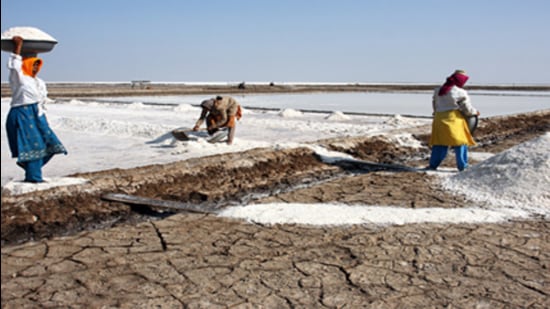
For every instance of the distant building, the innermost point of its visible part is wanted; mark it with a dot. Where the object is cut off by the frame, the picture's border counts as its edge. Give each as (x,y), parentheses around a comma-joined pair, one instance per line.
(141,84)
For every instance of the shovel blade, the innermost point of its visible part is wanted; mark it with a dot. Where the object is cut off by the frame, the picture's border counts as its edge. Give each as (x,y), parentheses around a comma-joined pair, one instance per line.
(181,134)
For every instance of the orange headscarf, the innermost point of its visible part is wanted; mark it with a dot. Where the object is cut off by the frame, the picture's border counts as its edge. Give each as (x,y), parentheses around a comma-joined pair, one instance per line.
(28,64)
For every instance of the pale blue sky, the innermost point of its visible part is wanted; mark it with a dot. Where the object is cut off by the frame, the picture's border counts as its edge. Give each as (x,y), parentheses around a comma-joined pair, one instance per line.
(289,40)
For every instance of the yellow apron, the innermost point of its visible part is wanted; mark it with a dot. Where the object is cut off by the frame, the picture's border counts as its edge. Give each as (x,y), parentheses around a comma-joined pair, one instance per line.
(450,129)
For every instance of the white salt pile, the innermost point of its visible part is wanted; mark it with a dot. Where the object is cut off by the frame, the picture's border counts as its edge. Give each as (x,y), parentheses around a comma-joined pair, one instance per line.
(518,177)
(337,116)
(289,112)
(27,33)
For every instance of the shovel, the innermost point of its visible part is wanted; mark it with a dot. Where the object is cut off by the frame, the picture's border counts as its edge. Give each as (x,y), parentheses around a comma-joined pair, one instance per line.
(181,134)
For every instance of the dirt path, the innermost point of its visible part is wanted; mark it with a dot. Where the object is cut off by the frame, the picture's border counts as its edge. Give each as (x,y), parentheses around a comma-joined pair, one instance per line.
(113,255)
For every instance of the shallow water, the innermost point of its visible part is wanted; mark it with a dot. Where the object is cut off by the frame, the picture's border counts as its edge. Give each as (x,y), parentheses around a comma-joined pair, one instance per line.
(489,103)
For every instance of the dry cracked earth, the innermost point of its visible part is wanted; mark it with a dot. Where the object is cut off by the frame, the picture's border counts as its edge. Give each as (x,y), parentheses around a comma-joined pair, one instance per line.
(69,248)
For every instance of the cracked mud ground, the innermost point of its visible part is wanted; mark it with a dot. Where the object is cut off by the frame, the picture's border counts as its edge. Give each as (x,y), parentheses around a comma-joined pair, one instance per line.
(68,248)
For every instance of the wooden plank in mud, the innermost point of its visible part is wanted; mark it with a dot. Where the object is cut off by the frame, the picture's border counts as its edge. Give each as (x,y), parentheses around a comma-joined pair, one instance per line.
(151,202)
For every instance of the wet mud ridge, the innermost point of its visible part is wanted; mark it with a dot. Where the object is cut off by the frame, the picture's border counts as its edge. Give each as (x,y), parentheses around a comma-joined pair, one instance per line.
(116,254)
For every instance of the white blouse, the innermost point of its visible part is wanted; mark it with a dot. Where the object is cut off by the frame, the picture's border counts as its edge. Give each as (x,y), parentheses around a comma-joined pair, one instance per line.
(456,98)
(25,89)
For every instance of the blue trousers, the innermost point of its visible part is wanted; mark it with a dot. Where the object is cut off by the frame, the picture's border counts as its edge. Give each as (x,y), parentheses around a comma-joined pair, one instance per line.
(33,169)
(440,152)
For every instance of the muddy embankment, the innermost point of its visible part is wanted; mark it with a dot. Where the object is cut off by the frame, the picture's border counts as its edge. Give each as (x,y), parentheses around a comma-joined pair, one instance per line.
(258,175)
(145,88)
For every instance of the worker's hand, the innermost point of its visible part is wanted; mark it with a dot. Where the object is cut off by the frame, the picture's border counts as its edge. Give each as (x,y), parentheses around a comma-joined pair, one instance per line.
(17,39)
(195,128)
(17,44)
(212,130)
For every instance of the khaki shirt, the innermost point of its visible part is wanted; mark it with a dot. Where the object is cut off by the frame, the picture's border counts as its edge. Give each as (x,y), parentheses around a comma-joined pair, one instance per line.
(220,111)
(223,109)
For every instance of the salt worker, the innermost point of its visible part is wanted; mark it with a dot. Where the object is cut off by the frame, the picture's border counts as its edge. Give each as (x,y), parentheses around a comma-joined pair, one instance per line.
(30,138)
(451,104)
(220,112)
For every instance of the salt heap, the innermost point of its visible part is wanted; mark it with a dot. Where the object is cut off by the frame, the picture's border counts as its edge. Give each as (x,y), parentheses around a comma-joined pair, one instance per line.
(289,113)
(518,178)
(27,33)
(337,116)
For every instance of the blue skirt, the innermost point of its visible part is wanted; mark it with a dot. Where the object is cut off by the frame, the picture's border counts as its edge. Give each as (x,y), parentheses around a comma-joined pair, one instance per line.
(30,136)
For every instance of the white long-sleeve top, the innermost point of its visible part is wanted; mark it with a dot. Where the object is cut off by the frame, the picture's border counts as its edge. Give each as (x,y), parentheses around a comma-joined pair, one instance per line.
(456,98)
(25,89)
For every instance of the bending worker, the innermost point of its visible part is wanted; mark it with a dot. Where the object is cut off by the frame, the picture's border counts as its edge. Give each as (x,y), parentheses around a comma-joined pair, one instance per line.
(220,112)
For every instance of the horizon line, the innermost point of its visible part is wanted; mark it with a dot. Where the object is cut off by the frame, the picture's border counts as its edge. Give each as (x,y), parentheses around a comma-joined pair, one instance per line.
(279,83)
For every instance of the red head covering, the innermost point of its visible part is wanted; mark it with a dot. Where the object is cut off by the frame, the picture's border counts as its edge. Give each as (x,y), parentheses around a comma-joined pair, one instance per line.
(458,79)
(28,64)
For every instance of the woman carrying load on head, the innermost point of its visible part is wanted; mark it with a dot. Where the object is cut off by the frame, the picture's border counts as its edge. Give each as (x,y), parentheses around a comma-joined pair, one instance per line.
(451,104)
(30,137)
